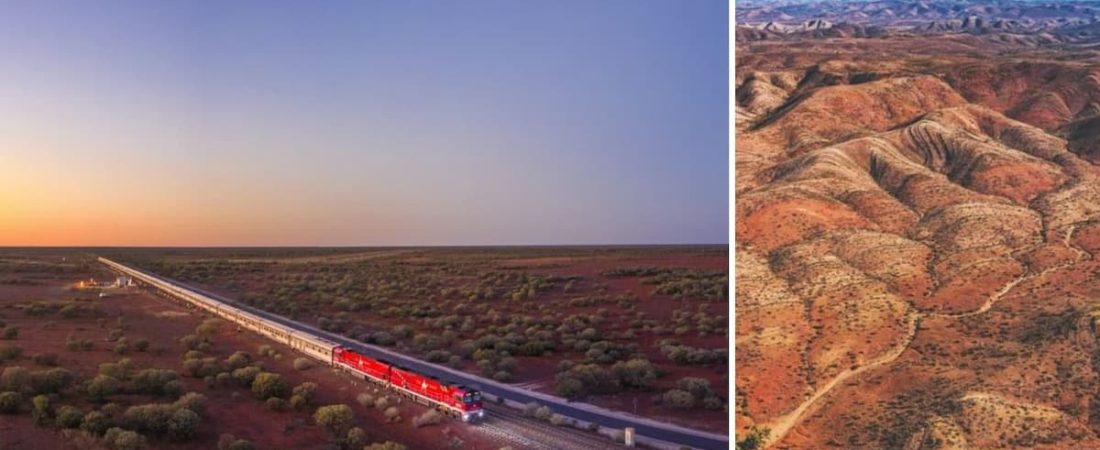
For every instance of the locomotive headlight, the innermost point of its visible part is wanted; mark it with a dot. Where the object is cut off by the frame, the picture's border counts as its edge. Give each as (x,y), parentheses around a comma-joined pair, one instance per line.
(465,417)
(481,413)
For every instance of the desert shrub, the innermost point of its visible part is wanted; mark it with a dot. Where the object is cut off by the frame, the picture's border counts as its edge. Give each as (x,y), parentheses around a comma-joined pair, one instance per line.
(381,402)
(334,418)
(50,381)
(543,413)
(112,409)
(102,386)
(365,399)
(207,328)
(193,401)
(388,445)
(302,364)
(246,375)
(276,404)
(68,311)
(265,350)
(9,333)
(678,398)
(115,335)
(305,390)
(229,442)
(713,402)
(172,389)
(685,355)
(9,402)
(430,417)
(636,373)
(569,388)
(241,444)
(122,347)
(119,370)
(189,342)
(78,345)
(437,356)
(382,338)
(593,426)
(119,439)
(754,439)
(150,418)
(237,360)
(15,378)
(10,352)
(201,368)
(558,419)
(141,345)
(502,376)
(163,382)
(267,385)
(356,438)
(298,403)
(698,387)
(402,331)
(45,359)
(183,425)
(586,379)
(223,379)
(96,422)
(392,414)
(530,408)
(69,417)
(41,409)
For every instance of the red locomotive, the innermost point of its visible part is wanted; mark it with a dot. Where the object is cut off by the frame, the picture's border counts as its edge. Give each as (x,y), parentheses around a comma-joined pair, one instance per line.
(458,400)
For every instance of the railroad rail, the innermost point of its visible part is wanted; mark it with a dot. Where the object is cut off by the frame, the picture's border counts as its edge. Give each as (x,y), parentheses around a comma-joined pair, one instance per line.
(647,430)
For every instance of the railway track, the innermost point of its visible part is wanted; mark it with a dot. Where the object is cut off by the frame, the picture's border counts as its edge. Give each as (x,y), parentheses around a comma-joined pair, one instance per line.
(528,432)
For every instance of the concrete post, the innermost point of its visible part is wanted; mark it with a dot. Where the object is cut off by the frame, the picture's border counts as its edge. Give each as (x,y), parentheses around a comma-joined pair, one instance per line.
(628,436)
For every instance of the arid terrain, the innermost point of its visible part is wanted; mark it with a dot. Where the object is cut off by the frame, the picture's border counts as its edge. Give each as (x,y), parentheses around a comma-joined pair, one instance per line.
(635,329)
(78,362)
(917,215)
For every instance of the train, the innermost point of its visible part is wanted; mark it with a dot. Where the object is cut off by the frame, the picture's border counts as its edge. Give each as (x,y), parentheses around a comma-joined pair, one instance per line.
(456,400)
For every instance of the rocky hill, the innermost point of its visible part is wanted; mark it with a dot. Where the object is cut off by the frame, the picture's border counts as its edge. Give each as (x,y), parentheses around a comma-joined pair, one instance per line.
(916,217)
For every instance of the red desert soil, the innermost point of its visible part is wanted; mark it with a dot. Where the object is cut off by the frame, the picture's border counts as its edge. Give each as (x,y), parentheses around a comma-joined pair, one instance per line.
(916,223)
(161,322)
(446,290)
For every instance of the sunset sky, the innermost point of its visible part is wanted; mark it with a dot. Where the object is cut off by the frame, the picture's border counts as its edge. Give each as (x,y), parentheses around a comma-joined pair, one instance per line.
(363,122)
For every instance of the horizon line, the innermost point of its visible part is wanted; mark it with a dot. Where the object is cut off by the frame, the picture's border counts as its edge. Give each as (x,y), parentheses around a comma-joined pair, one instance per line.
(726,244)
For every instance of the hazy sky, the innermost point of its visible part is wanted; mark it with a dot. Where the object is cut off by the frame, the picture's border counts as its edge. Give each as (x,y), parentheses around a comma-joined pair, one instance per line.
(363,122)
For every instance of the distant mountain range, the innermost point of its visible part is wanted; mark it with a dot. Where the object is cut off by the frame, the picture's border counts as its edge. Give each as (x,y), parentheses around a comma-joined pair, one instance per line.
(1045,22)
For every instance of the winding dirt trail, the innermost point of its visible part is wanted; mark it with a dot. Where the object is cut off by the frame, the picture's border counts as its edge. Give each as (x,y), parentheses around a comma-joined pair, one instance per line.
(781,426)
